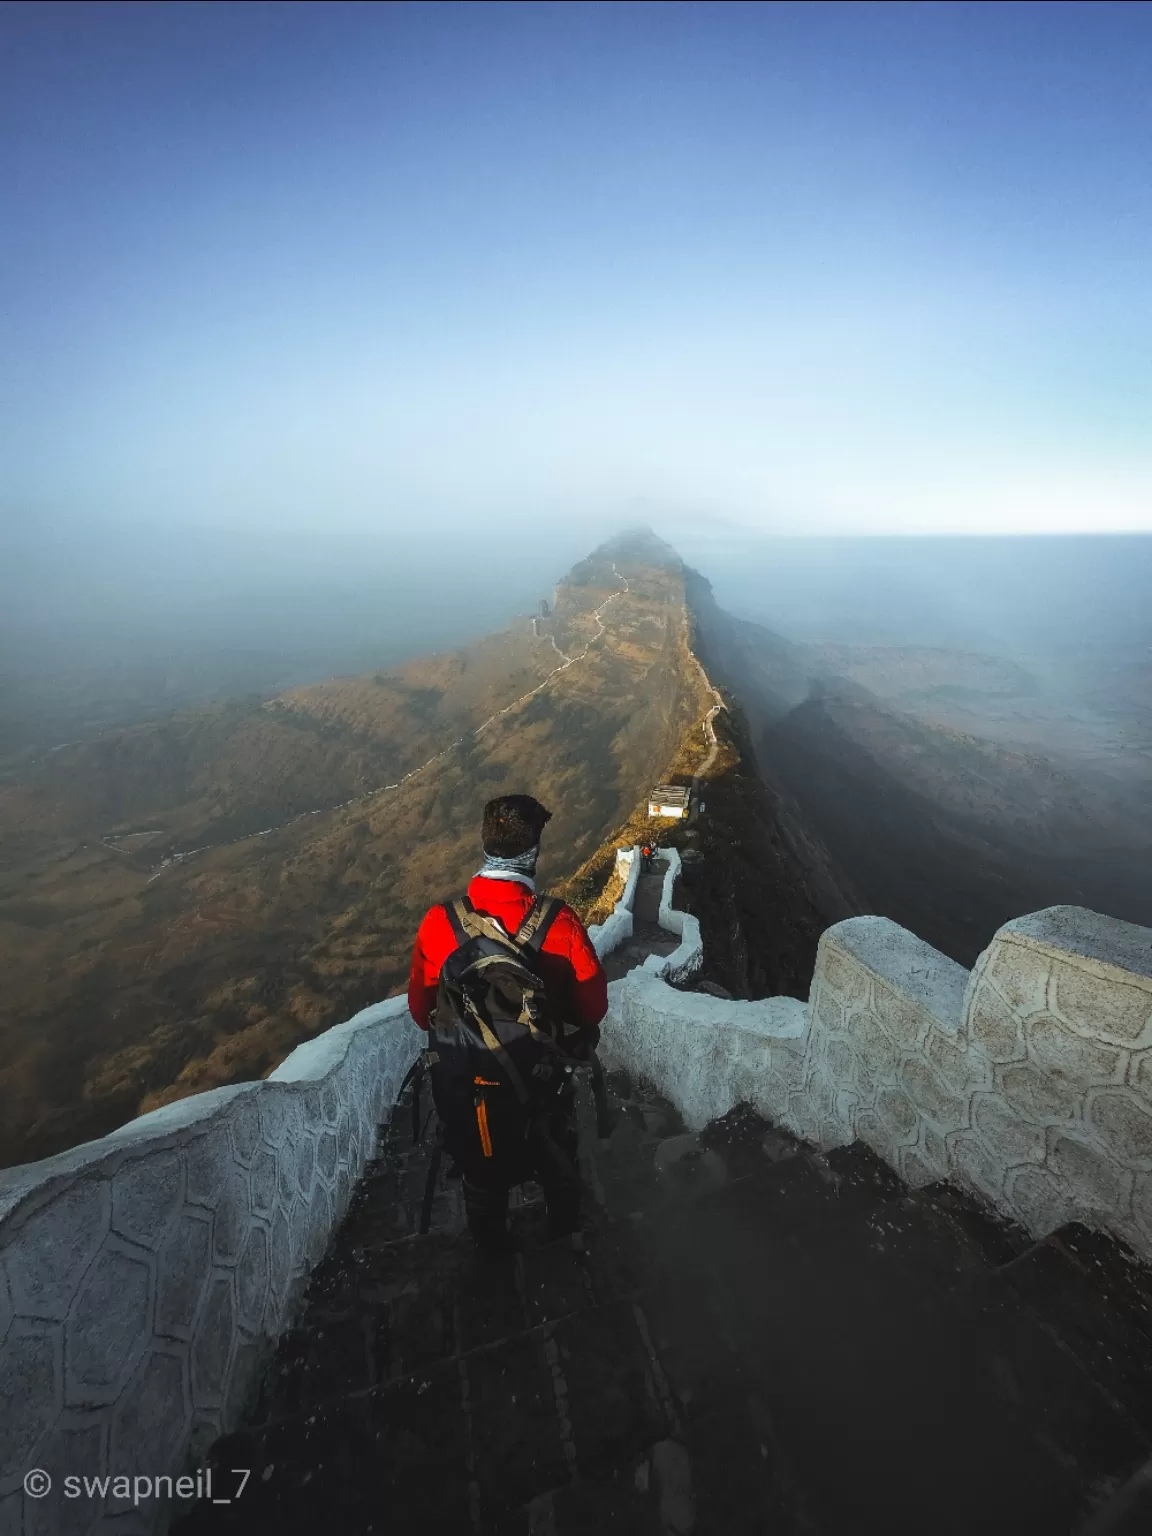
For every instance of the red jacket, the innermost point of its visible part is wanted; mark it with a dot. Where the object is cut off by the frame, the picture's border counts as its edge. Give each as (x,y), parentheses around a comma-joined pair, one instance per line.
(573,976)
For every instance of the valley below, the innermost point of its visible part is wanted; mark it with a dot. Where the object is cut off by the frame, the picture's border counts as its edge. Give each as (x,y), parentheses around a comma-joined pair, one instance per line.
(181,903)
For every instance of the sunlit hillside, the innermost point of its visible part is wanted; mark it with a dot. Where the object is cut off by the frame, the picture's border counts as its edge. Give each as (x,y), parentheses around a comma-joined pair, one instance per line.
(181,904)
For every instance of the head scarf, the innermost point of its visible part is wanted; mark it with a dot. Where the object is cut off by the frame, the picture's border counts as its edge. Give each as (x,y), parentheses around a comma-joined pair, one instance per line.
(521,866)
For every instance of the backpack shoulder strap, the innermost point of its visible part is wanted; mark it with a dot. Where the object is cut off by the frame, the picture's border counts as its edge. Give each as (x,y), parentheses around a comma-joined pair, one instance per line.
(468,923)
(534,929)
(456,913)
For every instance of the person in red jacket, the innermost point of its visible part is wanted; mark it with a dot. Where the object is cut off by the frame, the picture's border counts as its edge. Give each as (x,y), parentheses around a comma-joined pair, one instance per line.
(577,993)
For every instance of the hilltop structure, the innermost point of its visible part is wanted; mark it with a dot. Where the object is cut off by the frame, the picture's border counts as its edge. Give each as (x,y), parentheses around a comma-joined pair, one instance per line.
(670,800)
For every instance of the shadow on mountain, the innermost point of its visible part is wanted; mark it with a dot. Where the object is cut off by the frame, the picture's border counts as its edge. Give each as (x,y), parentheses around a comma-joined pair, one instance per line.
(946,833)
(761,887)
(952,879)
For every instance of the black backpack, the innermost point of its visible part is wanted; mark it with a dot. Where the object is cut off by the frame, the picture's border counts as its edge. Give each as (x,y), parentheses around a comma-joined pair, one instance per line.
(492,1024)
(494,1044)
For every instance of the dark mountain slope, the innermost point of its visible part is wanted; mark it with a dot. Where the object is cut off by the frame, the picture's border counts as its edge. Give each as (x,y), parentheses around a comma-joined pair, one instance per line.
(949,836)
(946,833)
(762,904)
(767,676)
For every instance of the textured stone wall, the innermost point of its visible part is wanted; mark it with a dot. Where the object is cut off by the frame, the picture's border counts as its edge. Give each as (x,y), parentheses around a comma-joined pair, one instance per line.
(686,959)
(1028,1080)
(704,1053)
(884,1051)
(617,928)
(143,1277)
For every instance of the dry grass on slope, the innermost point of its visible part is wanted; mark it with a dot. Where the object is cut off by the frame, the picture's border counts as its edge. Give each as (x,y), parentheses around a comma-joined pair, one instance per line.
(759,914)
(594,889)
(134,991)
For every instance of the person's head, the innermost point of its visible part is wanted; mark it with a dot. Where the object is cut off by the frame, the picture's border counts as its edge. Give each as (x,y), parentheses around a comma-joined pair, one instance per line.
(512,825)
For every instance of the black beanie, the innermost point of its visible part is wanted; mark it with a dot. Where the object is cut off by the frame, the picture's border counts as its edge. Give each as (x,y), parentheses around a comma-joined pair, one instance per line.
(512,825)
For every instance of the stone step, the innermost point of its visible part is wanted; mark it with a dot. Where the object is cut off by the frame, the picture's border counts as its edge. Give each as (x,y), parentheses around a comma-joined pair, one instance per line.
(1097,1303)
(467,1441)
(1128,1512)
(788,1301)
(992,1237)
(763,1336)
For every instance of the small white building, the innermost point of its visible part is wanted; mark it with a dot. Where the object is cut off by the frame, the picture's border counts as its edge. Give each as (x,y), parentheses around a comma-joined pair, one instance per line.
(669,800)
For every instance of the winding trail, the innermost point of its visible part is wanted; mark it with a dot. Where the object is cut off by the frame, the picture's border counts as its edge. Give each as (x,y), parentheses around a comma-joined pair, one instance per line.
(568,661)
(709,729)
(647,937)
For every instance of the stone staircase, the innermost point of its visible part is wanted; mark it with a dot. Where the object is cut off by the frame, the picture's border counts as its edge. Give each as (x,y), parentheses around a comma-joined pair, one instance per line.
(648,938)
(757,1338)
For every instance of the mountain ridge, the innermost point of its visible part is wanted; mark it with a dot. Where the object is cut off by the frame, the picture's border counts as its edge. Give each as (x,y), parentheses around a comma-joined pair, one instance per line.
(204,944)
(182,903)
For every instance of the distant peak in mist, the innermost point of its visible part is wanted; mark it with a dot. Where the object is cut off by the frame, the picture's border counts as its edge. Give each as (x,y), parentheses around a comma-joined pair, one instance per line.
(639,542)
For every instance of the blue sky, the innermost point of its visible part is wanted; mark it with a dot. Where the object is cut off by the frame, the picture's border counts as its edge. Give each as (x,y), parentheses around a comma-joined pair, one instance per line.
(801,268)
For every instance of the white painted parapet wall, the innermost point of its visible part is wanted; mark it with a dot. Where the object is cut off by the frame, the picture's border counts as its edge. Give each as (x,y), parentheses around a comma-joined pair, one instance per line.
(686,959)
(617,927)
(144,1277)
(1028,1079)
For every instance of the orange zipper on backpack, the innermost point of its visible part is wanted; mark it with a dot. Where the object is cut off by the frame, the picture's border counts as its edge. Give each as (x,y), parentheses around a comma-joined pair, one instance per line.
(482,1122)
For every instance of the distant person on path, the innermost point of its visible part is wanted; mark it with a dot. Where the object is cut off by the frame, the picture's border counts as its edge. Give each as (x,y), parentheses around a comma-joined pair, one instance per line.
(511,992)
(645,859)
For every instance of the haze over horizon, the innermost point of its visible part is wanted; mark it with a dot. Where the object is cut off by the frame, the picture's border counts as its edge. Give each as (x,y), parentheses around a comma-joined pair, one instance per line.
(297,271)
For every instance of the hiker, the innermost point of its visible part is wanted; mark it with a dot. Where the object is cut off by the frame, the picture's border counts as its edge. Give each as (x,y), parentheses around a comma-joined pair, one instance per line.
(645,859)
(511,992)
